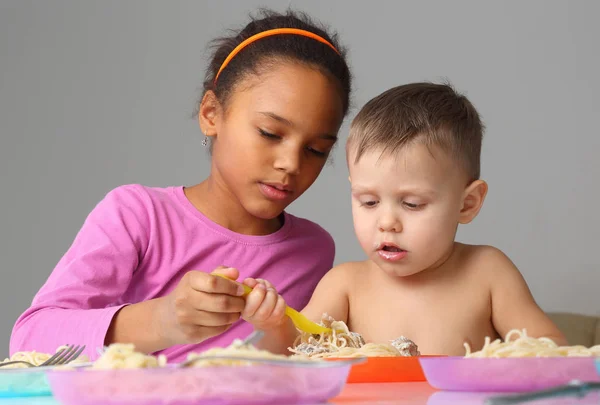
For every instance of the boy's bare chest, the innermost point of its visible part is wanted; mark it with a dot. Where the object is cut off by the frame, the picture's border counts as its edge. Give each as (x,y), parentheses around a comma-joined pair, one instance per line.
(439,322)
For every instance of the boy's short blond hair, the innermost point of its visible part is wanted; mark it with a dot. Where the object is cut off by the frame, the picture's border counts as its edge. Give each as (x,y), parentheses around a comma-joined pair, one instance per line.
(434,114)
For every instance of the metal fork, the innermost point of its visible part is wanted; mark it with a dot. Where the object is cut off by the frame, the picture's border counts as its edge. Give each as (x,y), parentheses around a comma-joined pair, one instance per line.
(63,356)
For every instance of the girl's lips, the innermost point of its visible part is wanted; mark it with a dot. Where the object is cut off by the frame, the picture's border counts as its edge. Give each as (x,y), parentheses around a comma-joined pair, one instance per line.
(272,192)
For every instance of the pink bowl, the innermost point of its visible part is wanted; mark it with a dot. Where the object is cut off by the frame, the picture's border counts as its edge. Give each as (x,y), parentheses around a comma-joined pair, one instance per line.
(506,374)
(248,385)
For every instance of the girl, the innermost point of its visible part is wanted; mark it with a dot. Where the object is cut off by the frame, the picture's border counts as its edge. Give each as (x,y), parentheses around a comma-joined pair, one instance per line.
(275,95)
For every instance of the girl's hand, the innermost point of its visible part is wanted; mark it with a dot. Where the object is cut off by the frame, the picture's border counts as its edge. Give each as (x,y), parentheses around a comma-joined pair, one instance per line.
(201,306)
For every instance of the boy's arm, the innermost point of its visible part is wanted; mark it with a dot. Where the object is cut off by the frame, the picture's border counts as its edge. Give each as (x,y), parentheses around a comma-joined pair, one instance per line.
(513,305)
(329,296)
(277,340)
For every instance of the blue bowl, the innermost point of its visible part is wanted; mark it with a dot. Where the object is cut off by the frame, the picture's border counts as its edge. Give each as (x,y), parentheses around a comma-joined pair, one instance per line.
(23,383)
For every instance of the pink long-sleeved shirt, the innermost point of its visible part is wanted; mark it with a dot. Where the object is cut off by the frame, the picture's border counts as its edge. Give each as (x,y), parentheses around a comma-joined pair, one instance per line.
(137,244)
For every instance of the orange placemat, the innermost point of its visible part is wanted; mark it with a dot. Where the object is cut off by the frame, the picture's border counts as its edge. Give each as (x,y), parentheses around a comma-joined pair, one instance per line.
(387,369)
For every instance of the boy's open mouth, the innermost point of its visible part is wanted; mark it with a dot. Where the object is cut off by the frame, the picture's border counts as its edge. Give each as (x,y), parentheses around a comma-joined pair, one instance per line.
(390,252)
(389,247)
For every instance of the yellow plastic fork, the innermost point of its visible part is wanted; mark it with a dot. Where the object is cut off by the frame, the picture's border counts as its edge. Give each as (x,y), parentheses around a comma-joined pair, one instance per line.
(300,321)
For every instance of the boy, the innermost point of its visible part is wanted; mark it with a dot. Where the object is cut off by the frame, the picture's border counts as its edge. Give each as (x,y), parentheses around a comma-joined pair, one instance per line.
(414,156)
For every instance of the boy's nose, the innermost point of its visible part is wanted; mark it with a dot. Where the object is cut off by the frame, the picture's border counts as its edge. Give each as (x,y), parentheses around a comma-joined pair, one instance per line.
(389,223)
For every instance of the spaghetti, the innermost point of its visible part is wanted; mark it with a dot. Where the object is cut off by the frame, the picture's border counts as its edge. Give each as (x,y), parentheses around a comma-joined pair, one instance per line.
(526,346)
(124,356)
(37,358)
(341,342)
(120,355)
(236,349)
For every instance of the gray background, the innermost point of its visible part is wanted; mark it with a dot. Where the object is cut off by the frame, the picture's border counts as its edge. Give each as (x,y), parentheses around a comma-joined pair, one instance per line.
(94,94)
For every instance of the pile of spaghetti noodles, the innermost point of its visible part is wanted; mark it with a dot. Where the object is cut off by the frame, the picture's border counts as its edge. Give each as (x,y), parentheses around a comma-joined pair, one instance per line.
(118,356)
(236,355)
(341,342)
(37,358)
(518,344)
(121,355)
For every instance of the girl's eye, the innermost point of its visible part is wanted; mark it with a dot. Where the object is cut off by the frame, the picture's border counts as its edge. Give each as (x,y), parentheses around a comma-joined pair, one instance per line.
(268,135)
(317,152)
(274,137)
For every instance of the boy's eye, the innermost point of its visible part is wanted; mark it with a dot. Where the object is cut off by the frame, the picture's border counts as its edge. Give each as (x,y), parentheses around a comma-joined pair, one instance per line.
(412,206)
(268,135)
(368,204)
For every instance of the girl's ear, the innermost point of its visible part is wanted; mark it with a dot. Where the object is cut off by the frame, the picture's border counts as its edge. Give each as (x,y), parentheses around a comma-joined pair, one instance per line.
(209,113)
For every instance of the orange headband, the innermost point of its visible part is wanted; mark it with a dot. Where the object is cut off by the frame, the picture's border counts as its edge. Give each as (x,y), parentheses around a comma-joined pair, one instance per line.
(269,33)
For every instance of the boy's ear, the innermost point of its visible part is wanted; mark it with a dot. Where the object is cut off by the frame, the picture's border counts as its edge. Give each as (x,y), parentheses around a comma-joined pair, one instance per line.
(209,114)
(473,198)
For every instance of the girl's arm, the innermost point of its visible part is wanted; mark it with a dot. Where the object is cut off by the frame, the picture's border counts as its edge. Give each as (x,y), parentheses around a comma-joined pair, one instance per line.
(77,303)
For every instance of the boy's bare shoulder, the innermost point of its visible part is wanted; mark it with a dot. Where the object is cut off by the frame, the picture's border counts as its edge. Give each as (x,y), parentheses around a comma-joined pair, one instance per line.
(486,260)
(350,269)
(344,274)
(482,253)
